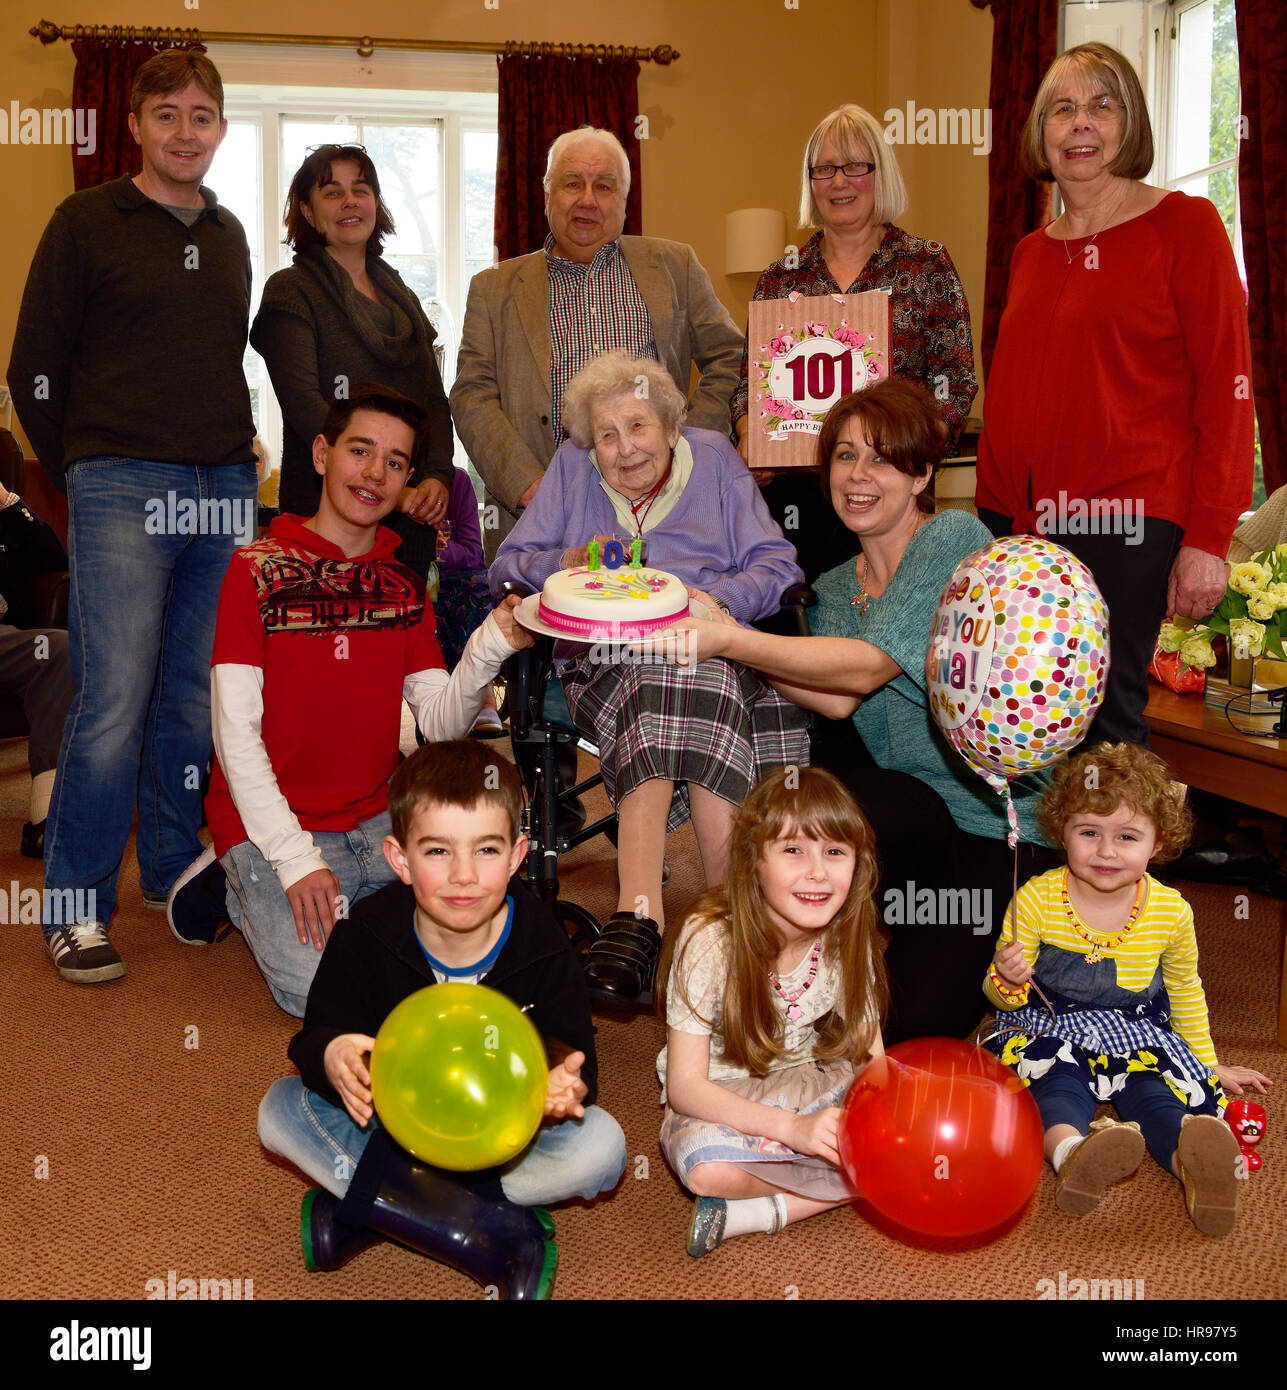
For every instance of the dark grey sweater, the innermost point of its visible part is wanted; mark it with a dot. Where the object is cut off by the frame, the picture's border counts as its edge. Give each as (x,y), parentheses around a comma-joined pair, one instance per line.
(131,334)
(314,327)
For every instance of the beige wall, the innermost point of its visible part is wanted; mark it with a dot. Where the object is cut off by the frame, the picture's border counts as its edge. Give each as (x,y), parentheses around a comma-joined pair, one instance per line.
(727,121)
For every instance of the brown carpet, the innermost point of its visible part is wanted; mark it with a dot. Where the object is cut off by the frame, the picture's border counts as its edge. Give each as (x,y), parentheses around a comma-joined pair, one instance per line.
(138,1098)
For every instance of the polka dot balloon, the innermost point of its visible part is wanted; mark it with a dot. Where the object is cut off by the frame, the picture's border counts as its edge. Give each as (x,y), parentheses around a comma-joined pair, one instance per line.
(1018,657)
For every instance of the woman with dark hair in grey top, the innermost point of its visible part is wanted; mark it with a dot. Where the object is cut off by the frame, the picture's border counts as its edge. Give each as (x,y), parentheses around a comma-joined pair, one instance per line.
(341,314)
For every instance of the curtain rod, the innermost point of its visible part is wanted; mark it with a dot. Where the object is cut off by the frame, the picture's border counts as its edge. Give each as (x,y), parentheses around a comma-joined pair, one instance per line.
(48,32)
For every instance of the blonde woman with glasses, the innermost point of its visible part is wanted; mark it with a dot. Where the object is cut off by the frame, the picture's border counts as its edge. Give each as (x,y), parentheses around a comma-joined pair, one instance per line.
(1118,418)
(852,190)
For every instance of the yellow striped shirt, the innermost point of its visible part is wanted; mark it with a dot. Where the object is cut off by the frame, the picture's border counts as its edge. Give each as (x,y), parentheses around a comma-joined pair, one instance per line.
(1163,932)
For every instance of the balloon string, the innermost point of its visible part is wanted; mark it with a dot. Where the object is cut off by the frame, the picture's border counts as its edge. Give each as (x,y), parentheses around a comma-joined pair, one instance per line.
(1032,984)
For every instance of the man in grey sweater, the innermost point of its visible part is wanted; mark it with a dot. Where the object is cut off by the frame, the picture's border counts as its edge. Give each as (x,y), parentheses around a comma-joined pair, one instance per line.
(126,372)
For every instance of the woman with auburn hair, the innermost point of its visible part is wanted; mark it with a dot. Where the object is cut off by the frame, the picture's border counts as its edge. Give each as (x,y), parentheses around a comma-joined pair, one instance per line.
(341,314)
(1121,375)
(938,826)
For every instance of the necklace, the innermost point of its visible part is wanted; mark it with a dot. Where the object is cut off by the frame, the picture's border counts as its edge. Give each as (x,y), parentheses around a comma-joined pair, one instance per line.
(651,496)
(1116,209)
(1111,943)
(793,1007)
(862,596)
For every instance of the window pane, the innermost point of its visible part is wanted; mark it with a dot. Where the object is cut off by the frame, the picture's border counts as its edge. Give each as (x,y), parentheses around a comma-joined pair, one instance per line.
(480,198)
(1207,75)
(407,160)
(237,178)
(420,273)
(299,136)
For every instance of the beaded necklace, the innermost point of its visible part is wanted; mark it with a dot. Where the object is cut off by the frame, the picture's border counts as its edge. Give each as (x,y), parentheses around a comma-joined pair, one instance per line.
(793,1008)
(1100,946)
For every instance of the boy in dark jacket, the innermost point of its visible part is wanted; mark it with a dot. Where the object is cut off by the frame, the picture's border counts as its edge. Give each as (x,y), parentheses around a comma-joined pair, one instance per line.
(456,915)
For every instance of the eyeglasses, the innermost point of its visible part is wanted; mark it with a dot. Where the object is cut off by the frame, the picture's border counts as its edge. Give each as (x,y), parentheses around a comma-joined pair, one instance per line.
(1097,109)
(852,170)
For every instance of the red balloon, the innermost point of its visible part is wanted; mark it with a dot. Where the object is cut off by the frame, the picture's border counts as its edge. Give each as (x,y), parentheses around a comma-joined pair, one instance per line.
(941,1137)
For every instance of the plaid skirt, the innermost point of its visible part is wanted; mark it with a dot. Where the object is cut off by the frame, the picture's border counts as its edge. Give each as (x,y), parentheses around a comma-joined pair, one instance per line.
(716,724)
(686,1141)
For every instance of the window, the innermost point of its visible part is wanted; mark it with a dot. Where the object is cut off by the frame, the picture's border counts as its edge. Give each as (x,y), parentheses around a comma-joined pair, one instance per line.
(432,135)
(1186,53)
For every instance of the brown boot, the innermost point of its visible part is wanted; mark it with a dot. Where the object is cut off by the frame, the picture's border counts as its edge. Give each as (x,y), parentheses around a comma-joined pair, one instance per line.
(1209,1170)
(1112,1152)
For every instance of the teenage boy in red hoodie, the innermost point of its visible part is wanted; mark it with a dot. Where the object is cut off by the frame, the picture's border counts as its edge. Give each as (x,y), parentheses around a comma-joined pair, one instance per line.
(321,635)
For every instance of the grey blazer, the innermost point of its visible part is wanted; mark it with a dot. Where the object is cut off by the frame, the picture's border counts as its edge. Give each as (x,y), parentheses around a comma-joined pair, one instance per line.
(501,401)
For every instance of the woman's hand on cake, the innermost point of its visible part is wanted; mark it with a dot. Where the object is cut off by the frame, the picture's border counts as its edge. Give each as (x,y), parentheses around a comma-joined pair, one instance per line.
(511,629)
(713,607)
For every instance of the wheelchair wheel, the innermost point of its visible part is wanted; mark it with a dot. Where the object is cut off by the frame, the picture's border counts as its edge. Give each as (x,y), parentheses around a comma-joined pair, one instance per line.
(582,927)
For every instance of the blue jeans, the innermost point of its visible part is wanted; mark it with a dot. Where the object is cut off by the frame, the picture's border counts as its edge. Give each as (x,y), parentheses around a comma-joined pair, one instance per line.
(578,1158)
(140,625)
(260,909)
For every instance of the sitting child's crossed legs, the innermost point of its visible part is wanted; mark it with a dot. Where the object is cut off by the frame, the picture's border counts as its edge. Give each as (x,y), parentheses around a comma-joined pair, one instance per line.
(261,911)
(578,1158)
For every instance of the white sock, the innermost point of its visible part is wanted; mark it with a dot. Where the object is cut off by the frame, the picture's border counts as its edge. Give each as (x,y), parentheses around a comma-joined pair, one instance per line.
(42,788)
(751,1215)
(1063,1149)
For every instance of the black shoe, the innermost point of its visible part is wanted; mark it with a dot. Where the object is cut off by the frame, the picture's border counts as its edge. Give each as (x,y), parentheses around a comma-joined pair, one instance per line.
(197,905)
(572,816)
(494,1242)
(33,839)
(622,965)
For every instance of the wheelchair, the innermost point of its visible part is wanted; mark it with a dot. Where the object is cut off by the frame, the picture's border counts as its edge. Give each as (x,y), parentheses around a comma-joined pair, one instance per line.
(541,730)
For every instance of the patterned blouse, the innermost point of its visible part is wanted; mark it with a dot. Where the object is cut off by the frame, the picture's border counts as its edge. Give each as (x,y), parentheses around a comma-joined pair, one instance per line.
(932,335)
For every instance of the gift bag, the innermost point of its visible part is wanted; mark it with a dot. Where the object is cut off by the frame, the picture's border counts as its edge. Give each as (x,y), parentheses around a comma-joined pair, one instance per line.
(1167,668)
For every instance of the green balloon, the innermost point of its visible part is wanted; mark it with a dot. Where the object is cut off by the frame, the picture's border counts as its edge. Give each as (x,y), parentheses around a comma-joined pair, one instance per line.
(459,1076)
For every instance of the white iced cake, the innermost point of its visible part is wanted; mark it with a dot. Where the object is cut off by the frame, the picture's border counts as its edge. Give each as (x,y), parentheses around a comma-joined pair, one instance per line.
(612,603)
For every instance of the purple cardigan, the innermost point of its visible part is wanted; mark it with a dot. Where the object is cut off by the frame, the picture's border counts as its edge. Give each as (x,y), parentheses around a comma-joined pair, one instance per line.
(465,548)
(719,537)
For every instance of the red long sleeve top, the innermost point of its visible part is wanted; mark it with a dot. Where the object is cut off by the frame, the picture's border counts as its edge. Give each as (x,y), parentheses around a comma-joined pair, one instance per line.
(1124,374)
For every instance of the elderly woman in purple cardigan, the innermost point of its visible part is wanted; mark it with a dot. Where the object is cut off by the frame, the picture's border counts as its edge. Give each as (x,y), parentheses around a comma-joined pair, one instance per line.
(674,742)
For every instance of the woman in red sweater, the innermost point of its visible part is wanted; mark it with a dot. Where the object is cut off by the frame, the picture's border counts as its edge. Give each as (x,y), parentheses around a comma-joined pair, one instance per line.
(1118,419)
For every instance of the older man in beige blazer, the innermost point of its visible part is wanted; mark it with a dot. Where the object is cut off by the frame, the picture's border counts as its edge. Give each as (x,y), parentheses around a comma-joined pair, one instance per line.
(531,322)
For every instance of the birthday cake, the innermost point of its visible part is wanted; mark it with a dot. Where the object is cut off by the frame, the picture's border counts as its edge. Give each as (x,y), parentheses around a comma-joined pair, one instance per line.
(598,602)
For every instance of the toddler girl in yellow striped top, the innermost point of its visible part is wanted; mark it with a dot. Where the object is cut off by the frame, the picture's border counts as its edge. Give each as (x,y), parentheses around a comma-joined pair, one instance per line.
(1119,1016)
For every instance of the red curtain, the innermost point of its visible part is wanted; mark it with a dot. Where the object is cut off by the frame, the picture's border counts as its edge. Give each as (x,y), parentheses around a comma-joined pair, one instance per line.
(1025,37)
(540,98)
(104,77)
(1262,177)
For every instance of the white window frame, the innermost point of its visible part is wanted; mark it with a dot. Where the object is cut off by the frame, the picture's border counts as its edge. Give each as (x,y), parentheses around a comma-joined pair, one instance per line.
(457,91)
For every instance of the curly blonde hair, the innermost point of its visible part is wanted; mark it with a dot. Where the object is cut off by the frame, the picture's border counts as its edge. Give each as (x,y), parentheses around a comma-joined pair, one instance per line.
(1102,779)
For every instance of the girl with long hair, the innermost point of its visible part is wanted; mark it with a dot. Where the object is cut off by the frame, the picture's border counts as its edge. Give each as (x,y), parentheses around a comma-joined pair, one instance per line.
(775,992)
